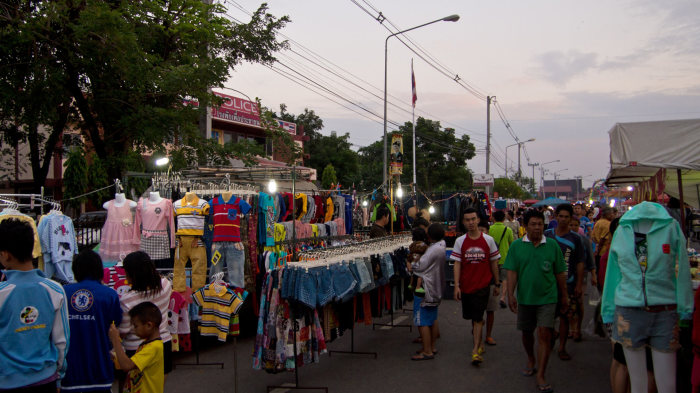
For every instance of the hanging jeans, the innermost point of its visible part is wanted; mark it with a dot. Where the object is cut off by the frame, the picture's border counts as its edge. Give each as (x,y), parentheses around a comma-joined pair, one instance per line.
(233,258)
(192,248)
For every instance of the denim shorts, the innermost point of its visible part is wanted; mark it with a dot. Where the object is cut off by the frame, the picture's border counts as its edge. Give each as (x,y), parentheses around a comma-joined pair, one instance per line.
(306,287)
(284,285)
(343,280)
(372,282)
(423,316)
(363,274)
(324,289)
(387,266)
(636,328)
(378,271)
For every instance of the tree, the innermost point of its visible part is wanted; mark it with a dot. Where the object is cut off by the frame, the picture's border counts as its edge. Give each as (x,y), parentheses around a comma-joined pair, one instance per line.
(309,121)
(35,104)
(328,178)
(129,67)
(507,188)
(441,158)
(75,178)
(336,151)
(97,179)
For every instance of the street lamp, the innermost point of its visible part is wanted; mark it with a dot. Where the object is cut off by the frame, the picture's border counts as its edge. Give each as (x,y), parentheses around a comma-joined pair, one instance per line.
(451,18)
(520,145)
(556,176)
(544,194)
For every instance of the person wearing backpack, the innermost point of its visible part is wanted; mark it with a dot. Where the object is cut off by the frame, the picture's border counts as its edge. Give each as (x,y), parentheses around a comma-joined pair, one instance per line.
(503,237)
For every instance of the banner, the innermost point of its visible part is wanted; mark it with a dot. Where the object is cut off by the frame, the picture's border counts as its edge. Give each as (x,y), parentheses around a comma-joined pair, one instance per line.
(396,155)
(482,180)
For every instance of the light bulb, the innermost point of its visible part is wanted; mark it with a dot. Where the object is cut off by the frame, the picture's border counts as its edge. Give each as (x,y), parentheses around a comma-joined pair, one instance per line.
(431,209)
(162,161)
(399,192)
(590,202)
(630,188)
(272,186)
(365,203)
(612,203)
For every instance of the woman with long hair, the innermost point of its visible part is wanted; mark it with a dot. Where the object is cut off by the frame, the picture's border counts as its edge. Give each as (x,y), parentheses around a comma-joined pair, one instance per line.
(146,286)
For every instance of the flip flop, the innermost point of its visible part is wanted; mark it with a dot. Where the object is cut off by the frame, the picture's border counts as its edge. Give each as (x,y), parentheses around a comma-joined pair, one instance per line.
(476,359)
(528,372)
(422,356)
(545,388)
(563,355)
(418,352)
(490,341)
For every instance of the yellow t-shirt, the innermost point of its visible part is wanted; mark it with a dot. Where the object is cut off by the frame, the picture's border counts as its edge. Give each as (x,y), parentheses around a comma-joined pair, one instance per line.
(149,376)
(329,210)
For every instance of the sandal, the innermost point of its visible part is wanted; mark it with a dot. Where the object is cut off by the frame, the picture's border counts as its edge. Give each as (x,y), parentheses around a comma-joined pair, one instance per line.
(545,388)
(528,372)
(418,352)
(502,304)
(481,351)
(490,341)
(422,356)
(476,359)
(563,355)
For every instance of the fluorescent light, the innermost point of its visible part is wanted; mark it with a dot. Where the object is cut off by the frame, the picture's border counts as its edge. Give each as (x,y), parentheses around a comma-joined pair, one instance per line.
(272,186)
(399,192)
(162,161)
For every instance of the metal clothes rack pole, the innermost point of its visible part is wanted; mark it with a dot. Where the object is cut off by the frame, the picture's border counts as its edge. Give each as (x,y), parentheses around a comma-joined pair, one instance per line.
(352,341)
(391,313)
(295,327)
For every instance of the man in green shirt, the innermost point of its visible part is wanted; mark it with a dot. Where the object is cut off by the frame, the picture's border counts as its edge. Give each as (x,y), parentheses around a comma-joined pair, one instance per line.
(538,263)
(503,236)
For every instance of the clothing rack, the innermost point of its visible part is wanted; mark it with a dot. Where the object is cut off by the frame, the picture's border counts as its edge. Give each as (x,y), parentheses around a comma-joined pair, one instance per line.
(312,239)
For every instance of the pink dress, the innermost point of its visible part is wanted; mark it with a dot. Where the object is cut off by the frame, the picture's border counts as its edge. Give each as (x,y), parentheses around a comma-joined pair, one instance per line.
(120,236)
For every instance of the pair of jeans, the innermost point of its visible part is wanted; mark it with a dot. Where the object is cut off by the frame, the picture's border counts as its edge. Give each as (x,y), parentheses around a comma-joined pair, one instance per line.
(233,258)
(365,278)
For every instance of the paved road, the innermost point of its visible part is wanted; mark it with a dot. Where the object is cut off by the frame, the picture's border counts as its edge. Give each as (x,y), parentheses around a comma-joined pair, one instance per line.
(393,371)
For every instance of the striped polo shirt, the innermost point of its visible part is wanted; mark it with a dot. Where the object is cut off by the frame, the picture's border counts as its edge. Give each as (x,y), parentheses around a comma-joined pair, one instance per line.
(227,218)
(131,298)
(218,303)
(190,216)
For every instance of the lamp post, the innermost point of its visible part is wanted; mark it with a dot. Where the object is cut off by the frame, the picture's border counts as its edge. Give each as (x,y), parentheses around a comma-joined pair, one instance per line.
(520,146)
(451,18)
(514,144)
(556,176)
(542,170)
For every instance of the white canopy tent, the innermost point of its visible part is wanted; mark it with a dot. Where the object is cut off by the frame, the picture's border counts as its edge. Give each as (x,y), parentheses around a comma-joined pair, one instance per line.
(639,150)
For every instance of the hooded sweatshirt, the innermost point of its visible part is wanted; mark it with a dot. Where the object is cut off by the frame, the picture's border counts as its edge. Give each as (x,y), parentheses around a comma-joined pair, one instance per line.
(627,284)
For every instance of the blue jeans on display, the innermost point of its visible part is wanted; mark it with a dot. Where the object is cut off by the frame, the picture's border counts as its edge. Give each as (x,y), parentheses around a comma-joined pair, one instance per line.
(234,259)
(365,278)
(307,287)
(324,292)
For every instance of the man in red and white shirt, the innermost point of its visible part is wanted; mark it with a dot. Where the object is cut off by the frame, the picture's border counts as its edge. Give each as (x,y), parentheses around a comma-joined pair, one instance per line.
(475,257)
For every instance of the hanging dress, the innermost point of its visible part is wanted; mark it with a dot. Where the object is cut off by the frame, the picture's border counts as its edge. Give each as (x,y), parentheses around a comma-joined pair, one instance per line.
(120,236)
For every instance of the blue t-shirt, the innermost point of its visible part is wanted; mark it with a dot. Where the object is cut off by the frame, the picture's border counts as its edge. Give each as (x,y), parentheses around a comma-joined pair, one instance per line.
(92,307)
(573,250)
(266,220)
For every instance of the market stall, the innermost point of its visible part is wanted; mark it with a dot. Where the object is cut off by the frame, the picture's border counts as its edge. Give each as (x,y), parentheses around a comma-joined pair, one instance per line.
(656,157)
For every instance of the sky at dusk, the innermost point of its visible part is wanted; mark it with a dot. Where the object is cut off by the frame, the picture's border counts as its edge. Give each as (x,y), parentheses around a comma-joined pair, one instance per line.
(563,72)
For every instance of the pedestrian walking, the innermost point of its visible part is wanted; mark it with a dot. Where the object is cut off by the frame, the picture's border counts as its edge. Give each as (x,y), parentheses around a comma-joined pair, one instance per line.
(536,267)
(573,250)
(504,235)
(475,257)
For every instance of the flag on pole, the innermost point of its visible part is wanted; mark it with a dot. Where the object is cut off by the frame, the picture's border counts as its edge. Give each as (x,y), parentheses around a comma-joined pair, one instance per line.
(413,85)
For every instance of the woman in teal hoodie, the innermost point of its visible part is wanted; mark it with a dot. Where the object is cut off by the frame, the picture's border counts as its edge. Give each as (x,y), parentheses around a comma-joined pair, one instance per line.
(647,286)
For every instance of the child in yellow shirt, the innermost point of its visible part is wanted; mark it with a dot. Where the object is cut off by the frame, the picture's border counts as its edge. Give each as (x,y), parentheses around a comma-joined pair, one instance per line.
(146,368)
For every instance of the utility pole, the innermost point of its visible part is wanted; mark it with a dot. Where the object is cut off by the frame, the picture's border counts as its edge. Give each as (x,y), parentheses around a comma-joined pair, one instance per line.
(533,173)
(556,190)
(488,138)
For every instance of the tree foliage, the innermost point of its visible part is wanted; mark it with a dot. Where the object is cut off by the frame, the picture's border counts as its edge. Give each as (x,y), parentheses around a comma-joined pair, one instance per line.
(441,158)
(328,178)
(507,188)
(75,177)
(96,179)
(127,68)
(336,151)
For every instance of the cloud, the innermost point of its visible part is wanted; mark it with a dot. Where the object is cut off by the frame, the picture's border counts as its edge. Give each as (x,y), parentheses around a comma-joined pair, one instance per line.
(560,67)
